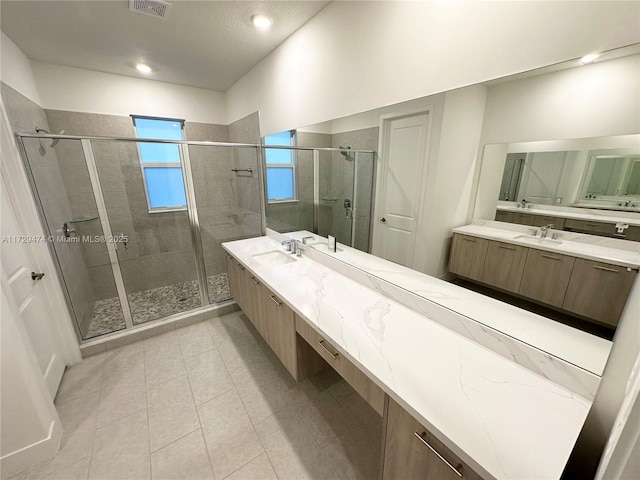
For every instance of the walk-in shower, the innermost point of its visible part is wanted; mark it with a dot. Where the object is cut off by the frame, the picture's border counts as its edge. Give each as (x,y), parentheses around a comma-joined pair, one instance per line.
(122,263)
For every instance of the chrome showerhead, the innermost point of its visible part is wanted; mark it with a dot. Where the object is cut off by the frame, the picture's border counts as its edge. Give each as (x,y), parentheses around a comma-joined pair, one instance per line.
(347,155)
(55,140)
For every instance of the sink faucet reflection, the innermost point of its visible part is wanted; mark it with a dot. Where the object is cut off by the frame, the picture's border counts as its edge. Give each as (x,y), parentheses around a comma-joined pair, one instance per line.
(544,230)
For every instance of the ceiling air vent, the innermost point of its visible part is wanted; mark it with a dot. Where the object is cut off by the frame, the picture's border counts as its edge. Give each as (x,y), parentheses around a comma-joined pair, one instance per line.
(154,8)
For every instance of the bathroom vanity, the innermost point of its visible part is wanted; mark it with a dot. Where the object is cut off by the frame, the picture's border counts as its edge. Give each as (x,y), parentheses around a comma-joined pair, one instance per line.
(586,280)
(452,406)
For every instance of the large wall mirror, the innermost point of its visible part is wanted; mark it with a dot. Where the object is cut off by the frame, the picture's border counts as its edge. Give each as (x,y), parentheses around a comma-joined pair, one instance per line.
(490,146)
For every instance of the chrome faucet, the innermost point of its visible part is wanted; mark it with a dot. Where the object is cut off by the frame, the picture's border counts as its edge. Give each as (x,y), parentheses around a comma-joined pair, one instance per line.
(544,230)
(290,244)
(304,239)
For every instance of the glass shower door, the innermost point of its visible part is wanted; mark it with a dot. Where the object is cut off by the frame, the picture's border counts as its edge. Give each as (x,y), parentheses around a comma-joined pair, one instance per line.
(63,190)
(154,246)
(336,188)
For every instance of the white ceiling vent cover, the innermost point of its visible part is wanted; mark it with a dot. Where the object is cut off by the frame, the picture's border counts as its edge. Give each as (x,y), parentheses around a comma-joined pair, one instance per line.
(154,8)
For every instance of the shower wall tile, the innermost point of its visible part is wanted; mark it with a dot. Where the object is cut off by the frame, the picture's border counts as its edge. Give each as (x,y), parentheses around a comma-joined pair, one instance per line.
(24,115)
(98,125)
(207,132)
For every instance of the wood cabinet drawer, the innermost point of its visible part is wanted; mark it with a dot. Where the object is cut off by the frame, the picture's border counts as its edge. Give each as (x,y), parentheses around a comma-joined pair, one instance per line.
(598,290)
(504,265)
(546,276)
(412,452)
(632,233)
(544,220)
(522,218)
(504,216)
(588,226)
(235,280)
(373,394)
(468,256)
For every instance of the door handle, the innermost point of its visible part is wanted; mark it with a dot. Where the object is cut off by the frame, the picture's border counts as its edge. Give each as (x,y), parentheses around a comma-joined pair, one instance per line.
(383,220)
(37,276)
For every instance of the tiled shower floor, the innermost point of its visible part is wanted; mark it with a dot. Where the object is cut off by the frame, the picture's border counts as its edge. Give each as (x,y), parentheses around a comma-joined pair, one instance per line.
(155,303)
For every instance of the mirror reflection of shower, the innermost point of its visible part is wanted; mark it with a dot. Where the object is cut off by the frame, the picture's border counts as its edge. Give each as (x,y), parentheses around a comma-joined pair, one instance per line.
(345,154)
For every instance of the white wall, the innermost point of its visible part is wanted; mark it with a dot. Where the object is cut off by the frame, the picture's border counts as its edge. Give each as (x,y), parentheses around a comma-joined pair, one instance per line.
(75,89)
(15,69)
(356,56)
(593,100)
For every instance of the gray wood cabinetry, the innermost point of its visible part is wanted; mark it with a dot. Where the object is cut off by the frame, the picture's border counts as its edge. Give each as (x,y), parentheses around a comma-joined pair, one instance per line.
(543,220)
(411,452)
(504,216)
(280,330)
(467,256)
(598,290)
(522,218)
(235,280)
(590,227)
(504,265)
(546,276)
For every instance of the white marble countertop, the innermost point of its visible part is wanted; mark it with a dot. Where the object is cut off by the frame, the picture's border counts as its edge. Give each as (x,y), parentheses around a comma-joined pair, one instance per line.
(623,258)
(608,216)
(501,418)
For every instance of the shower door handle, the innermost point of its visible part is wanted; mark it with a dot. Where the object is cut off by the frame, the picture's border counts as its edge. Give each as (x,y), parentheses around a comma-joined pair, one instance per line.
(37,276)
(349,212)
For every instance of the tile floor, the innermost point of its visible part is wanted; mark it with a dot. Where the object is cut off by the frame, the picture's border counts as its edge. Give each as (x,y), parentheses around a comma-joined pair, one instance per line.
(155,303)
(208,401)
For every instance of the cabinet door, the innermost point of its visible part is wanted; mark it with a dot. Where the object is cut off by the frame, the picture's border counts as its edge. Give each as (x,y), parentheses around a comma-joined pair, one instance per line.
(412,452)
(280,329)
(504,266)
(468,256)
(632,233)
(523,218)
(503,216)
(598,290)
(235,280)
(252,306)
(546,276)
(543,220)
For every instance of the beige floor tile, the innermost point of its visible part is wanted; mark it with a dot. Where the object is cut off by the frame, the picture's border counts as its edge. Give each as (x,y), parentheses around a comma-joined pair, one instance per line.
(119,377)
(208,376)
(121,450)
(195,339)
(163,369)
(184,459)
(353,456)
(164,345)
(292,451)
(231,329)
(74,447)
(172,413)
(262,391)
(257,469)
(82,379)
(80,413)
(123,356)
(52,471)
(18,476)
(241,354)
(121,402)
(231,439)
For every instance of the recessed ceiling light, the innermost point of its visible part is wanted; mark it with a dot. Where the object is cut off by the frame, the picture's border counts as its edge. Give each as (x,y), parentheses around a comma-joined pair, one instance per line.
(261,21)
(143,68)
(589,58)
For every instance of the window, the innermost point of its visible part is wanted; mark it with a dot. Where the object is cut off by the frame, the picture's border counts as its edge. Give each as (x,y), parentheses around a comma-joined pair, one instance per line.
(281,168)
(160,163)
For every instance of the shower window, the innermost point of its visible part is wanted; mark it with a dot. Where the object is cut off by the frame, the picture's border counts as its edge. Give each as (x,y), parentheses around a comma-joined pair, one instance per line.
(160,163)
(281,167)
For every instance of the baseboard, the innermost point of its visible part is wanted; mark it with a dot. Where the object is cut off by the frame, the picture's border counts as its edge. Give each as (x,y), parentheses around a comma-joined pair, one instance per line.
(20,460)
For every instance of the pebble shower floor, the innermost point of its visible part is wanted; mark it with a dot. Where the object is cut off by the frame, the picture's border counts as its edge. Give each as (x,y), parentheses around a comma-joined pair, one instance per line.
(155,303)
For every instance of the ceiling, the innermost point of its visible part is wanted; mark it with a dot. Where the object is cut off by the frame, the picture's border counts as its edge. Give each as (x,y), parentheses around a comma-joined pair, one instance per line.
(207,44)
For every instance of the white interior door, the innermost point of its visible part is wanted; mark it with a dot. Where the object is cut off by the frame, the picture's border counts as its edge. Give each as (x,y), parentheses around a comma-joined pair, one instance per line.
(404,158)
(541,177)
(17,267)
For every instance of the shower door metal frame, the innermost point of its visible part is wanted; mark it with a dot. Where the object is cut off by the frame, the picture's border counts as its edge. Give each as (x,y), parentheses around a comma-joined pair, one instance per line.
(87,150)
(194,224)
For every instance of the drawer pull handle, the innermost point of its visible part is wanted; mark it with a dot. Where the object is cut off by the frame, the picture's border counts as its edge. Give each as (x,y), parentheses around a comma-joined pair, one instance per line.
(275,300)
(469,240)
(605,269)
(506,248)
(256,282)
(549,256)
(240,266)
(455,469)
(321,343)
(593,224)
(227,255)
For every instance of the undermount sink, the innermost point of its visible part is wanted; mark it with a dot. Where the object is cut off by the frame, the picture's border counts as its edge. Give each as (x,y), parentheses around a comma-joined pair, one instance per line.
(274,257)
(538,240)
